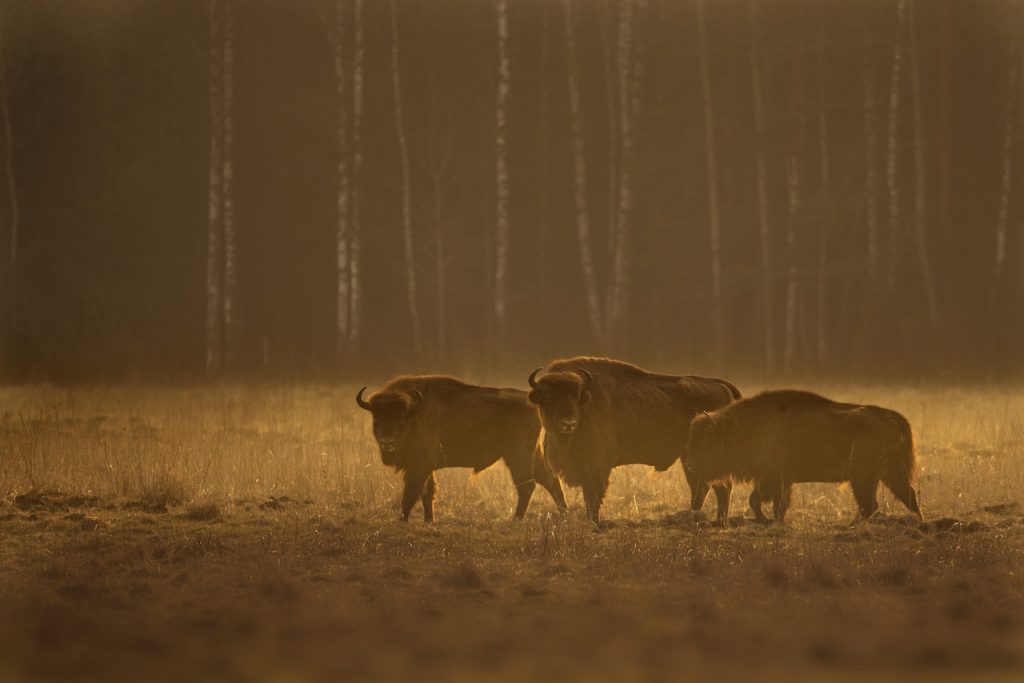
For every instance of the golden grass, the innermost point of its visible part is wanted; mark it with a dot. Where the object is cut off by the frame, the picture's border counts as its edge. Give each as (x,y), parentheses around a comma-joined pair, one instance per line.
(232,443)
(235,533)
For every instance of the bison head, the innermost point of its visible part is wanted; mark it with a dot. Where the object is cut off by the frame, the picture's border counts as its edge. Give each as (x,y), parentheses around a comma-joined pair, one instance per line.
(558,397)
(392,414)
(703,459)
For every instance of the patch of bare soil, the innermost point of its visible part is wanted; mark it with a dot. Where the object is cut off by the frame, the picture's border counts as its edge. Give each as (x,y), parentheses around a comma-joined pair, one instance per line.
(280,589)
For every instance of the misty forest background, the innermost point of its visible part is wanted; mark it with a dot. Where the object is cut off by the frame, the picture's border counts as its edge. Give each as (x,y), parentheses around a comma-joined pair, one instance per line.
(333,189)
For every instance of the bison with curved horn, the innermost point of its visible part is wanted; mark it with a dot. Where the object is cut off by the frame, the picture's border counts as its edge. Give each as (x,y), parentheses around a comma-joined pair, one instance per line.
(780,438)
(426,423)
(599,413)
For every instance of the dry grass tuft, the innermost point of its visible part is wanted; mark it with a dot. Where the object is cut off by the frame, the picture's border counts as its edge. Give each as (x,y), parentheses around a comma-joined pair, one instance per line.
(465,576)
(202,513)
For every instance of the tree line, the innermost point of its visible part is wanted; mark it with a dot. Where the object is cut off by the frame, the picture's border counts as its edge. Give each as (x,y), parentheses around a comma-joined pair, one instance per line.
(783,187)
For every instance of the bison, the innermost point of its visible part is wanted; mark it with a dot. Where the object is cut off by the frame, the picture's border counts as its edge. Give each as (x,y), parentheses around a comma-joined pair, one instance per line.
(426,423)
(599,413)
(779,438)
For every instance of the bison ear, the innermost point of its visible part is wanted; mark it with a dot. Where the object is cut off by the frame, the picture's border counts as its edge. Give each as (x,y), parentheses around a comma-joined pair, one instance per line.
(535,397)
(584,396)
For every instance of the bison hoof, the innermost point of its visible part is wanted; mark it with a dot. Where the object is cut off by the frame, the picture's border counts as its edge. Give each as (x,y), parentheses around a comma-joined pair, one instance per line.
(404,518)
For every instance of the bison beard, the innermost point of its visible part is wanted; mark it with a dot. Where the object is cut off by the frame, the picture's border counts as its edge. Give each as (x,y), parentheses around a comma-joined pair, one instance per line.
(426,423)
(599,413)
(779,438)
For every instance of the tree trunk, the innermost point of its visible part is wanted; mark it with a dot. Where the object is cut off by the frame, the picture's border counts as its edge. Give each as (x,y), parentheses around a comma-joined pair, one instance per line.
(943,137)
(764,225)
(231,317)
(616,310)
(1006,186)
(544,149)
(440,258)
(891,168)
(215,226)
(611,97)
(407,234)
(355,222)
(580,181)
(870,166)
(789,343)
(342,236)
(920,188)
(821,319)
(711,157)
(501,179)
(10,274)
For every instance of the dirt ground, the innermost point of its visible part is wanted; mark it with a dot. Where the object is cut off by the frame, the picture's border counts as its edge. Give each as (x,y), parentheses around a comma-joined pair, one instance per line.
(141,547)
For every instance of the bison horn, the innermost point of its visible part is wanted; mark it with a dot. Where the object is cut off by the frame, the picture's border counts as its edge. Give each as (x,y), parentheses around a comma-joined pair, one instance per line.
(588,379)
(363,403)
(417,398)
(532,379)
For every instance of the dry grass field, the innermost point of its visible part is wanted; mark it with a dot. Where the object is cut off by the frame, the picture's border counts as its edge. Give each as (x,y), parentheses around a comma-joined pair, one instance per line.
(234,534)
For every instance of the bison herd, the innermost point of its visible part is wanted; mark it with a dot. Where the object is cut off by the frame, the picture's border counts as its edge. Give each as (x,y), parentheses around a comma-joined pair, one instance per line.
(584,416)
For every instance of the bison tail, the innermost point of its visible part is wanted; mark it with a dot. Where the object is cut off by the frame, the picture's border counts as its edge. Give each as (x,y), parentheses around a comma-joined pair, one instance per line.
(899,466)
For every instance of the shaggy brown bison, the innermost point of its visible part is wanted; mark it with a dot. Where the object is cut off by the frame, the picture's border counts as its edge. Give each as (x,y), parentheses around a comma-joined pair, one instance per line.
(599,413)
(427,423)
(779,438)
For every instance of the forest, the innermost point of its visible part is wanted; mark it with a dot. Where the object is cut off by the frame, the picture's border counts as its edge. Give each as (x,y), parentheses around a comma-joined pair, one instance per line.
(328,189)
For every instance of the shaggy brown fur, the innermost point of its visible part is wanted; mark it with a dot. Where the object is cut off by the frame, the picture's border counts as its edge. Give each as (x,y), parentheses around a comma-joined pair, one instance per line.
(599,413)
(779,438)
(426,423)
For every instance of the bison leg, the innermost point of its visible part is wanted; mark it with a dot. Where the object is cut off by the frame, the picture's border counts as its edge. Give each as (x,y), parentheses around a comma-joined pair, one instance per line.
(524,489)
(428,498)
(544,476)
(865,489)
(904,493)
(593,494)
(698,494)
(755,505)
(525,483)
(781,502)
(414,482)
(723,492)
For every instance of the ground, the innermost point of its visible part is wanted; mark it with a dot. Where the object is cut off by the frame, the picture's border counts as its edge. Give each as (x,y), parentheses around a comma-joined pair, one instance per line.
(252,534)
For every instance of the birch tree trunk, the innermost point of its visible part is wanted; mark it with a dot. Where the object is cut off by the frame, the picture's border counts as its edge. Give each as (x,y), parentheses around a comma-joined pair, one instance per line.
(616,310)
(711,158)
(407,234)
(215,227)
(10,275)
(343,298)
(355,227)
(440,262)
(821,319)
(920,187)
(611,99)
(544,145)
(231,319)
(580,181)
(870,167)
(891,168)
(764,225)
(501,179)
(1006,184)
(943,137)
(793,186)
